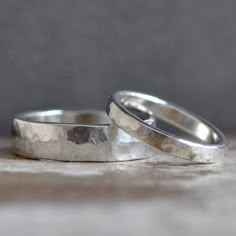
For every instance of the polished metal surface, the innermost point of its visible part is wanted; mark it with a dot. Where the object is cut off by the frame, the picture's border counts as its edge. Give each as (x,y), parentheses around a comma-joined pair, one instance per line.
(75,136)
(205,143)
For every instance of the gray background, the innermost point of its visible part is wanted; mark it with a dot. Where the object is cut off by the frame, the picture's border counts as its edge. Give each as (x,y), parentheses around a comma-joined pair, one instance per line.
(75,53)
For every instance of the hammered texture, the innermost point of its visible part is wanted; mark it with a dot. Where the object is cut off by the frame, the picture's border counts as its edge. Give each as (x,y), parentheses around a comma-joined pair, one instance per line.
(76,143)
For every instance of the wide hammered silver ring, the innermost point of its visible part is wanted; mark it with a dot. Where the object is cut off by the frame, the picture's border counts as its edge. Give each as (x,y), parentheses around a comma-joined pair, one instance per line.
(209,145)
(74,136)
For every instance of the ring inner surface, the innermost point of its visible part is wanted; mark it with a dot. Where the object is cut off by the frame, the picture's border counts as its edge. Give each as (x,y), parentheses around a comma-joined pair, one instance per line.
(69,117)
(173,120)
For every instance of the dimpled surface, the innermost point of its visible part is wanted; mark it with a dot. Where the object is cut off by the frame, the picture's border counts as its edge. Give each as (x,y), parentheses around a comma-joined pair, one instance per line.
(76,143)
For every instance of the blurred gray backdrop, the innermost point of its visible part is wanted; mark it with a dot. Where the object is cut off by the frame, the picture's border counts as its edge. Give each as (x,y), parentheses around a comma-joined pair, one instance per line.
(76,53)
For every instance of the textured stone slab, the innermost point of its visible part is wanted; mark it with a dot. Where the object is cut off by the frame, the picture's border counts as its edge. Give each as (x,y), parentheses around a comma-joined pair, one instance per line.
(157,196)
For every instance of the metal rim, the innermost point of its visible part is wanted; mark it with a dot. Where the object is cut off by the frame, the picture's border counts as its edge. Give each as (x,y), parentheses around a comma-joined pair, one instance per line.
(201,152)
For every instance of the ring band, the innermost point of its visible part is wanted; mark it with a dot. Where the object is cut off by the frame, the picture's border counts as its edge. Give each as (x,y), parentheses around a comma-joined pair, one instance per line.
(74,136)
(211,144)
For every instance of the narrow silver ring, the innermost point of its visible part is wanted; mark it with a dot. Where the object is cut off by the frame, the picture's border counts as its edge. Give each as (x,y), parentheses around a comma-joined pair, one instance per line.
(74,136)
(209,145)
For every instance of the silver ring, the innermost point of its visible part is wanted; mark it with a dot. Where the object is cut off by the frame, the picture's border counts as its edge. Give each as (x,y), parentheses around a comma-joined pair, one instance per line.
(74,136)
(209,144)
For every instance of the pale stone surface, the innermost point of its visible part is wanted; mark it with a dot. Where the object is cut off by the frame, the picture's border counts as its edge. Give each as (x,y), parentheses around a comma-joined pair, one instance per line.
(157,196)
